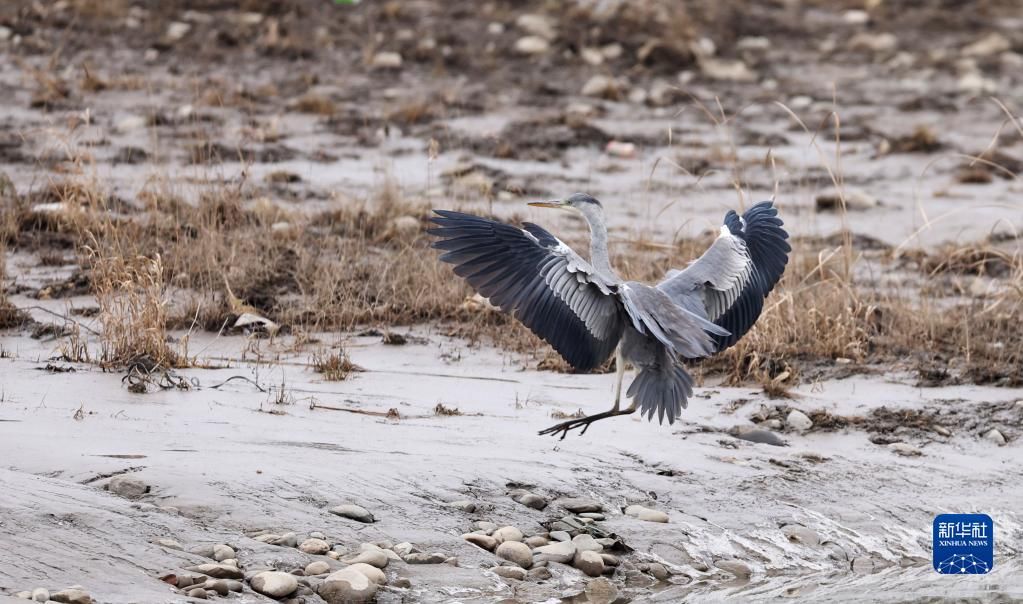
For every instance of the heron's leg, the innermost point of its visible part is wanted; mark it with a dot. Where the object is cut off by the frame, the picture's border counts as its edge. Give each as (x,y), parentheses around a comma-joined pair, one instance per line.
(584,422)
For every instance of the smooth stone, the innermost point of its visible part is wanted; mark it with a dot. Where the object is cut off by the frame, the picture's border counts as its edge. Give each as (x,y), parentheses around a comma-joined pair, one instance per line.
(579,505)
(286,540)
(168,543)
(601,591)
(347,586)
(223,552)
(402,582)
(539,573)
(531,45)
(315,547)
(517,552)
(354,512)
(763,437)
(536,541)
(463,505)
(317,535)
(528,499)
(198,593)
(317,568)
(217,571)
(645,513)
(375,558)
(658,571)
(485,541)
(801,534)
(265,538)
(218,585)
(561,536)
(537,25)
(334,555)
(423,558)
(372,573)
(599,86)
(995,436)
(129,488)
(562,551)
(507,533)
(905,449)
(799,421)
(71,595)
(483,525)
(610,559)
(386,60)
(737,567)
(405,548)
(40,594)
(862,564)
(233,585)
(586,543)
(274,583)
(589,562)
(510,572)
(592,515)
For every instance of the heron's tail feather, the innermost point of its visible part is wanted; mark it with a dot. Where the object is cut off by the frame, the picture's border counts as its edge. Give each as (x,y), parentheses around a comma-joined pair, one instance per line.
(664,390)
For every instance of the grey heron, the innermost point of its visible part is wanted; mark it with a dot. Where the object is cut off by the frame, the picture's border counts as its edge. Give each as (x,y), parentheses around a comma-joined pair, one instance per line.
(587,312)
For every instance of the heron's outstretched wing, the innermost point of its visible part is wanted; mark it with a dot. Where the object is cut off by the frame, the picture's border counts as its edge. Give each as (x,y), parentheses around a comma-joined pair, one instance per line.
(539,280)
(733,277)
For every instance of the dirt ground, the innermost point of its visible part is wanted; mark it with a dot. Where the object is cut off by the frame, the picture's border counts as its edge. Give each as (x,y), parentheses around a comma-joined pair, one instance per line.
(886,131)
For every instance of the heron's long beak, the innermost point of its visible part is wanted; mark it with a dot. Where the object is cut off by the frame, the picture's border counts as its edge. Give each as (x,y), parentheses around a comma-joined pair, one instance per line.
(556,203)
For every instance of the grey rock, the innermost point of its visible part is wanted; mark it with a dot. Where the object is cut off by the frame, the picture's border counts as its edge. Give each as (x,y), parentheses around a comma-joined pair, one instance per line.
(737,567)
(592,515)
(905,449)
(463,505)
(375,558)
(589,562)
(197,592)
(285,540)
(426,558)
(801,534)
(563,552)
(536,541)
(528,499)
(763,437)
(578,505)
(658,571)
(372,573)
(168,543)
(507,533)
(354,512)
(586,543)
(510,572)
(539,573)
(799,421)
(531,45)
(405,548)
(516,552)
(485,541)
(71,595)
(537,25)
(316,547)
(386,60)
(40,594)
(275,584)
(317,568)
(995,436)
(129,488)
(402,582)
(645,513)
(218,585)
(601,591)
(347,586)
(610,559)
(217,571)
(223,552)
(317,535)
(483,525)
(561,536)
(863,564)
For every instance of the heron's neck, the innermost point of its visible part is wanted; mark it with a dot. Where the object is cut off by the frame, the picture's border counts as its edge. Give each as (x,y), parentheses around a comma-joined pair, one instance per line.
(599,256)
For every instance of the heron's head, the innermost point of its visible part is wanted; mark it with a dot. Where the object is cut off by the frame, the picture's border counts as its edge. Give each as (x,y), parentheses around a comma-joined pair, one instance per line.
(580,202)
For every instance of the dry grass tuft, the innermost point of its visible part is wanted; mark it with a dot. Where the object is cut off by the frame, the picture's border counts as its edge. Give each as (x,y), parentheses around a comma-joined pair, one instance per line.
(334,366)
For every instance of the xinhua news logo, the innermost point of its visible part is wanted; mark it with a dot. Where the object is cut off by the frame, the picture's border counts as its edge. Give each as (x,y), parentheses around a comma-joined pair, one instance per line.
(964,544)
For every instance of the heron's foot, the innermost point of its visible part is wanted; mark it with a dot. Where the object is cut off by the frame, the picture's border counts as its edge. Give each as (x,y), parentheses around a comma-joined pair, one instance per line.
(582,422)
